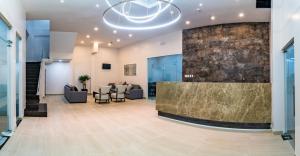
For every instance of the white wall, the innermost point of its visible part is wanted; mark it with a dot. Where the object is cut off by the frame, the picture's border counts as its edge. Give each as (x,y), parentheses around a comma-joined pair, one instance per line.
(102,77)
(138,53)
(62,44)
(15,14)
(58,74)
(81,64)
(285,26)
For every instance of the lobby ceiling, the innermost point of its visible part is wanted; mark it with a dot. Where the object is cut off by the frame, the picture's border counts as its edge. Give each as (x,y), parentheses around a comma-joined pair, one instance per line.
(83,16)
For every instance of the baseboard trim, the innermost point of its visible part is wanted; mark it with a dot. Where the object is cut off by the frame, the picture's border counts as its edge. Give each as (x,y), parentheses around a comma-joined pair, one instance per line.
(231,125)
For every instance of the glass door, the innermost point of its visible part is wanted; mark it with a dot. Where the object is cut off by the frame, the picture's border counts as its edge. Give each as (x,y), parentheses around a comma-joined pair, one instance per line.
(4,44)
(289,60)
(163,69)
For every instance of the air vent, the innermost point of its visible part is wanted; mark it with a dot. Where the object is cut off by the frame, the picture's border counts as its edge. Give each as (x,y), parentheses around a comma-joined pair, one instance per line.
(263,3)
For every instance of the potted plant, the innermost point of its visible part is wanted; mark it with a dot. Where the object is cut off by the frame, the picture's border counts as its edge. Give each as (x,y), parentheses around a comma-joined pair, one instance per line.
(83,79)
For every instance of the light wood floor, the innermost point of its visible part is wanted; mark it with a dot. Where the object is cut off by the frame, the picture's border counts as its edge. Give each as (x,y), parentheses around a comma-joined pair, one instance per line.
(129,129)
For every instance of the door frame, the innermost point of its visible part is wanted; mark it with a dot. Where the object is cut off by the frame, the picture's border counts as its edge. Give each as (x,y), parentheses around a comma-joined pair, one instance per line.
(284,50)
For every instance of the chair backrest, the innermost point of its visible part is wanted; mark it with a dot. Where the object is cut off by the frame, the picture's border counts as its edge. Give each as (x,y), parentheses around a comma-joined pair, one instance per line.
(105,89)
(121,88)
(113,85)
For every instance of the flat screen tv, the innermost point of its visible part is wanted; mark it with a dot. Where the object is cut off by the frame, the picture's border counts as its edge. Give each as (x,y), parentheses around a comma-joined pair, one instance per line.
(106,66)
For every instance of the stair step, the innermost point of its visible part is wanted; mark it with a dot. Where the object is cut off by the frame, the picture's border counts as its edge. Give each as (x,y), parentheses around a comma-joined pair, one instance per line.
(32,73)
(32,102)
(32,97)
(35,69)
(31,87)
(33,62)
(31,79)
(32,67)
(31,83)
(36,110)
(31,92)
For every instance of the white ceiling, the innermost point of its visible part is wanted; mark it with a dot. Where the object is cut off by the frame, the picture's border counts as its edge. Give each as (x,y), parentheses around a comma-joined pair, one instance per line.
(82,16)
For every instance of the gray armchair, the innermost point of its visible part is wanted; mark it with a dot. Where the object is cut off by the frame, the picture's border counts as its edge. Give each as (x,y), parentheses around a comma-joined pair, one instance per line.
(74,96)
(119,94)
(134,92)
(103,94)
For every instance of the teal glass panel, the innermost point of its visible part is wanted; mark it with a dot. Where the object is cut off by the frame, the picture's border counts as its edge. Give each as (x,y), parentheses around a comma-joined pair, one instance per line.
(290,92)
(163,69)
(18,41)
(4,43)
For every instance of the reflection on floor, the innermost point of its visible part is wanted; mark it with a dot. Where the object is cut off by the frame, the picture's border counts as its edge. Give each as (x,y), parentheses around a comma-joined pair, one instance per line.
(3,113)
(3,123)
(129,129)
(292,142)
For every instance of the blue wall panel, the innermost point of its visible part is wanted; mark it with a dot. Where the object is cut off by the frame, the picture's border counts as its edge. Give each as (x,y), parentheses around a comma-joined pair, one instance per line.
(38,40)
(164,68)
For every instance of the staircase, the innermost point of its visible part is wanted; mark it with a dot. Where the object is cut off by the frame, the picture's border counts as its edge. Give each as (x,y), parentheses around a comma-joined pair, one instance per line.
(33,106)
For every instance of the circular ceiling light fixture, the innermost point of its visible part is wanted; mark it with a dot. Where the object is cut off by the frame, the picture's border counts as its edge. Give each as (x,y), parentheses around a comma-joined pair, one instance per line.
(141,14)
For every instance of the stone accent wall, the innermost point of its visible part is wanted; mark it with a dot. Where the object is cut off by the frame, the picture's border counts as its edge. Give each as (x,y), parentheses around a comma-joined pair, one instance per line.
(227,53)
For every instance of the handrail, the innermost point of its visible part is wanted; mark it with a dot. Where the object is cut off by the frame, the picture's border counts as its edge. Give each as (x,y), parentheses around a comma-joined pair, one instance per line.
(42,80)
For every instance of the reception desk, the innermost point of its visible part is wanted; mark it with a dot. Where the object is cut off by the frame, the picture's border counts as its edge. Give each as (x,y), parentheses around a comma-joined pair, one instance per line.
(231,105)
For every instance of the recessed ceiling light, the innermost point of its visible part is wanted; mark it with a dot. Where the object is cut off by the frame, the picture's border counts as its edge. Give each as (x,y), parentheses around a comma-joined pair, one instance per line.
(62,1)
(171,12)
(97,5)
(82,42)
(109,44)
(130,35)
(200,4)
(187,22)
(88,36)
(118,40)
(213,18)
(241,14)
(115,31)
(96,28)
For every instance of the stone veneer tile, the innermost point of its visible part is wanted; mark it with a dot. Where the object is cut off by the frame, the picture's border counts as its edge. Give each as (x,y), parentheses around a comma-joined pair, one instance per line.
(227,53)
(226,102)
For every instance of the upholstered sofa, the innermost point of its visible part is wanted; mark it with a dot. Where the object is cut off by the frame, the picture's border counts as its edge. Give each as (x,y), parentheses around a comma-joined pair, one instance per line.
(134,91)
(73,95)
